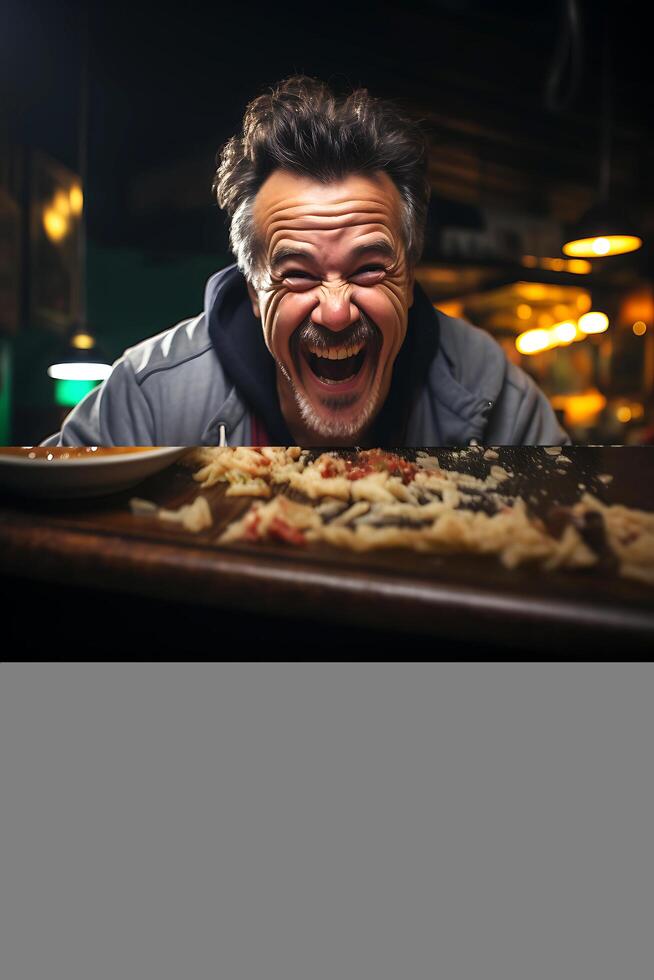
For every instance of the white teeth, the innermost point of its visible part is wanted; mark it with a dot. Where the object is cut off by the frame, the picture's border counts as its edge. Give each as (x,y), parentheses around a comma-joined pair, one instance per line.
(336,353)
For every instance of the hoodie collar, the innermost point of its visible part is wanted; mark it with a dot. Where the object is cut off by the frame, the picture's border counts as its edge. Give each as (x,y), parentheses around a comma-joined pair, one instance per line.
(237,338)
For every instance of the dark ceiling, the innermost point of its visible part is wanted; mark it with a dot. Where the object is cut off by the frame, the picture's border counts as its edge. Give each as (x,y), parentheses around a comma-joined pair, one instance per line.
(169,82)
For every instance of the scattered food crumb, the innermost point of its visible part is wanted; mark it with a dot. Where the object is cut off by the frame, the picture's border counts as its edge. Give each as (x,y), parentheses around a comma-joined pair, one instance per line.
(552,450)
(140,506)
(605,477)
(193,517)
(384,502)
(491,454)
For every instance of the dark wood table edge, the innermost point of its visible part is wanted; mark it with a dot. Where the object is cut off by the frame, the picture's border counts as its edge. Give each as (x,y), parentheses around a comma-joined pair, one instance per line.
(223,579)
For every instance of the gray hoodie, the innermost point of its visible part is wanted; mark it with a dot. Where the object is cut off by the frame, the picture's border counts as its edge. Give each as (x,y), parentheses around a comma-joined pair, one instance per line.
(203,381)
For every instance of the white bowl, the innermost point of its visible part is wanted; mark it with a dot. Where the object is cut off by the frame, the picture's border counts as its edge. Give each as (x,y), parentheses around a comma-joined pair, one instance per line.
(89,476)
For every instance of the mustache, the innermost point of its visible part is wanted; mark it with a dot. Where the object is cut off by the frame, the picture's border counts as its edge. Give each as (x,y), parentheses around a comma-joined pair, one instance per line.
(361,332)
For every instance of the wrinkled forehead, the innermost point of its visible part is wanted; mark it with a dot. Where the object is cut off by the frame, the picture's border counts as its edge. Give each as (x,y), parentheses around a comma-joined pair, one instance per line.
(295,208)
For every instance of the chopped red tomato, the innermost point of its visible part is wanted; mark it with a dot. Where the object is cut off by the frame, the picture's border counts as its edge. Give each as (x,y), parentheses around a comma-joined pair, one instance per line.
(377,461)
(250,530)
(279,528)
(369,461)
(329,469)
(358,472)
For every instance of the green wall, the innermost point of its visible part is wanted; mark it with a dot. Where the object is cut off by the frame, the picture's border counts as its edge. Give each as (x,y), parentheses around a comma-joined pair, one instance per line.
(131,296)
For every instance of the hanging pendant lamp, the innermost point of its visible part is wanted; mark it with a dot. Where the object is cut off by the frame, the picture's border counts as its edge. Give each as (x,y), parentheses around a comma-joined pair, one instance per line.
(606,228)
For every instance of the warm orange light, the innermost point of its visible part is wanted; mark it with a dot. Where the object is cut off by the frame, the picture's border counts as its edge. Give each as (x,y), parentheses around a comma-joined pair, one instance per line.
(594,322)
(534,291)
(623,413)
(598,247)
(565,332)
(452,307)
(639,328)
(83,341)
(578,266)
(534,341)
(637,410)
(61,204)
(584,302)
(580,409)
(523,311)
(638,305)
(76,199)
(55,224)
(545,320)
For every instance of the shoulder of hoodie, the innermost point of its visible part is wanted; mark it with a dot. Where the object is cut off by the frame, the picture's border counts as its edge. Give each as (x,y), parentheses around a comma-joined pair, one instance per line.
(188,341)
(476,361)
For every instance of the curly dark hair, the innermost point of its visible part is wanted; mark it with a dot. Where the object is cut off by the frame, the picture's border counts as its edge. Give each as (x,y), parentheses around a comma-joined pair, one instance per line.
(303,127)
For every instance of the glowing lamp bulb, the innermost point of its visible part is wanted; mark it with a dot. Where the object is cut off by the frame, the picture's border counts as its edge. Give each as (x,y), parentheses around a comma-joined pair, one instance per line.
(55,224)
(601,246)
(61,204)
(534,341)
(76,199)
(83,341)
(564,333)
(79,372)
(593,322)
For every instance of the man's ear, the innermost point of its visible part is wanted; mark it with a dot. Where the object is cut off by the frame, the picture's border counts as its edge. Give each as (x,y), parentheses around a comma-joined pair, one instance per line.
(254,299)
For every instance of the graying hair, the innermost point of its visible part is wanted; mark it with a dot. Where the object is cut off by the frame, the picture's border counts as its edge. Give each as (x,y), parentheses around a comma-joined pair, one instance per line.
(302,127)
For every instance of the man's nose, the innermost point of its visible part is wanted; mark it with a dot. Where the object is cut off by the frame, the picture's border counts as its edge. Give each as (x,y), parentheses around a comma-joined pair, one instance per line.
(335,310)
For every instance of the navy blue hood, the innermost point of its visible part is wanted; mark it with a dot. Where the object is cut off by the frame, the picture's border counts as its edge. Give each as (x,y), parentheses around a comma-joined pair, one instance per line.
(237,338)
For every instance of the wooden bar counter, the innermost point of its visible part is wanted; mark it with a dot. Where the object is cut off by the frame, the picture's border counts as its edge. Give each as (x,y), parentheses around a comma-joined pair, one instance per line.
(91,573)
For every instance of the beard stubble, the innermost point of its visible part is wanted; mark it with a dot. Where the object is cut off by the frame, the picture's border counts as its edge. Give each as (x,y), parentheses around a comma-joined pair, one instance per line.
(330,428)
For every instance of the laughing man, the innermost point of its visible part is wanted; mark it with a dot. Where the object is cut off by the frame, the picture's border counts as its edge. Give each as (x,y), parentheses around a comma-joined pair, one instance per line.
(319,334)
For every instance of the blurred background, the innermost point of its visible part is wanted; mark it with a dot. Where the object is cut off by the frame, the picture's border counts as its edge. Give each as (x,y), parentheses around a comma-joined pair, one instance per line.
(539,120)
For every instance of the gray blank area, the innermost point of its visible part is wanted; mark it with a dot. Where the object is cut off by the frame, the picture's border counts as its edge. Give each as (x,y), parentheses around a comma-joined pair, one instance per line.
(326,822)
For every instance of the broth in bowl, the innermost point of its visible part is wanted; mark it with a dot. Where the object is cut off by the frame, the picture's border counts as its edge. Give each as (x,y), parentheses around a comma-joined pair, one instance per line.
(70,452)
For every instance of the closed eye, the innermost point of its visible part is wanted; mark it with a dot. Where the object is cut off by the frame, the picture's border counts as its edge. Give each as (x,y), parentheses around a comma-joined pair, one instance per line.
(370,268)
(300,274)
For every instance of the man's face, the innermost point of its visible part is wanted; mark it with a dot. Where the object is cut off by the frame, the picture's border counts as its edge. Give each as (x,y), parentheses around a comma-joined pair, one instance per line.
(333,299)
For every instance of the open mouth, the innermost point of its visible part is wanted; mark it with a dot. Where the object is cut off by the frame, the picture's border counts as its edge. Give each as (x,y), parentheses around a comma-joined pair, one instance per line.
(337,365)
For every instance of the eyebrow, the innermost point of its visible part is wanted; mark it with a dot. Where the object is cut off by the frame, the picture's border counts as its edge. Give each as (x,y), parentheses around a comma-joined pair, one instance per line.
(287,252)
